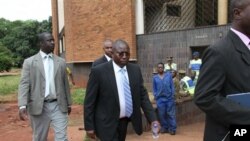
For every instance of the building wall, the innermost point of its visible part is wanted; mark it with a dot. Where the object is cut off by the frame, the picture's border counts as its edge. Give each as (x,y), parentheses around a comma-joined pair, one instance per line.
(54,24)
(157,19)
(89,22)
(155,48)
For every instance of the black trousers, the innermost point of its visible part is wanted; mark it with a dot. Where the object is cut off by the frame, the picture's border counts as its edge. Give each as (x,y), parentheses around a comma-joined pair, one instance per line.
(122,129)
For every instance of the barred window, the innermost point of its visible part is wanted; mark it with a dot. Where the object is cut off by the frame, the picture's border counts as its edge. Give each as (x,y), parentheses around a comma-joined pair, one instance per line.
(174,10)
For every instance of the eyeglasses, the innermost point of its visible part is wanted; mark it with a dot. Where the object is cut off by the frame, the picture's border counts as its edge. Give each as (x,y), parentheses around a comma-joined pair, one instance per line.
(121,54)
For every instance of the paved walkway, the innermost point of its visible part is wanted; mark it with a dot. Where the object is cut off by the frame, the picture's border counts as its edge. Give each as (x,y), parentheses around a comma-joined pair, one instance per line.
(192,132)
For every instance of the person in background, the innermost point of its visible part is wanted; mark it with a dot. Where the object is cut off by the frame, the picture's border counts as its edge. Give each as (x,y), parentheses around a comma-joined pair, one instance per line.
(195,65)
(115,95)
(70,75)
(170,66)
(107,48)
(187,86)
(163,91)
(225,71)
(44,93)
(176,84)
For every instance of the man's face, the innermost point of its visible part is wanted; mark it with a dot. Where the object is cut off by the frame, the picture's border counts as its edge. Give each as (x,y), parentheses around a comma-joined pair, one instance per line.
(242,15)
(196,57)
(121,55)
(47,44)
(170,61)
(160,68)
(108,48)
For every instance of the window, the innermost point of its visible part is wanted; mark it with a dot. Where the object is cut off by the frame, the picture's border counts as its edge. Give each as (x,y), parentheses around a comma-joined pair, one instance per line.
(174,10)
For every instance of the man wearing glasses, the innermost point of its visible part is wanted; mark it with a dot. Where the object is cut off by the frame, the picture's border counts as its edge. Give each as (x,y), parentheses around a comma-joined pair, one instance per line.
(115,95)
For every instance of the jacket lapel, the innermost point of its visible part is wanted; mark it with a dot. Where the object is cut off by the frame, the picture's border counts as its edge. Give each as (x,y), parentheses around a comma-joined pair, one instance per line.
(56,64)
(240,47)
(112,81)
(39,63)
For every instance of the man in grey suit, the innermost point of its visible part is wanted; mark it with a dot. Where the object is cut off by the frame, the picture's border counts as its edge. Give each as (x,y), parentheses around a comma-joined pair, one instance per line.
(107,48)
(226,70)
(44,93)
(115,95)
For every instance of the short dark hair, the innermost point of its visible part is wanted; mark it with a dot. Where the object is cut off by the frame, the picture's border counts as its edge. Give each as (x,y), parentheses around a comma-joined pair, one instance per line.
(118,43)
(160,63)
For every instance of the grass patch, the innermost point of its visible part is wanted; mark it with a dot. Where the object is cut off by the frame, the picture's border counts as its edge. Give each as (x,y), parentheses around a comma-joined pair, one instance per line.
(9,89)
(78,96)
(9,84)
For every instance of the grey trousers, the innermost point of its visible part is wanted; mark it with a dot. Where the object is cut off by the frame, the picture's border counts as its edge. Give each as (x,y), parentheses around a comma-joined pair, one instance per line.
(51,115)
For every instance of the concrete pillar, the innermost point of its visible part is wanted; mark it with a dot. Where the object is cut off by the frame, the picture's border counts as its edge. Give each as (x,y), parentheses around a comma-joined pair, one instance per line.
(222,12)
(139,17)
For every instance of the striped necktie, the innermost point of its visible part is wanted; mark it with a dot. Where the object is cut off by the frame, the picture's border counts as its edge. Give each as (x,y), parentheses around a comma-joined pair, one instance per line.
(127,94)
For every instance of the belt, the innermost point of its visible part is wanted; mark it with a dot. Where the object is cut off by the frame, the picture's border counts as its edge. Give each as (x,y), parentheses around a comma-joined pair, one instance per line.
(50,100)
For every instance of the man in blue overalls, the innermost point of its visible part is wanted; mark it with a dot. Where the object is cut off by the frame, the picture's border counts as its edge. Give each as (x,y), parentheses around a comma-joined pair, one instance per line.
(163,91)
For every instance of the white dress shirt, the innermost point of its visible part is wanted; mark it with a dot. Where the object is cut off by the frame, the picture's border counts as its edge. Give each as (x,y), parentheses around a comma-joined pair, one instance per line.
(46,65)
(107,57)
(118,77)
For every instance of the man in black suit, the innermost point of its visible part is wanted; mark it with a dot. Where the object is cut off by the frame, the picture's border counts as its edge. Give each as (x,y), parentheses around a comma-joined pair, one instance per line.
(226,70)
(107,48)
(106,104)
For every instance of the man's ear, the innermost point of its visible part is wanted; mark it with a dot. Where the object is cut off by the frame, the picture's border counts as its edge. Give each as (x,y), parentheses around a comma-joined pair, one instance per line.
(237,13)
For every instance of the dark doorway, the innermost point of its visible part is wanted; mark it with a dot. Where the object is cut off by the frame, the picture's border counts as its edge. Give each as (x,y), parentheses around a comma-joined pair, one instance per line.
(200,49)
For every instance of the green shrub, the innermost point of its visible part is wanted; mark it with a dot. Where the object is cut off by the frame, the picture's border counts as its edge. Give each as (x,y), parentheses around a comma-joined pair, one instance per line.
(78,96)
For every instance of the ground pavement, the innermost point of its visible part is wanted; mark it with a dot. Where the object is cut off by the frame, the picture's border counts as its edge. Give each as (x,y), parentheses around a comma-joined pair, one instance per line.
(12,129)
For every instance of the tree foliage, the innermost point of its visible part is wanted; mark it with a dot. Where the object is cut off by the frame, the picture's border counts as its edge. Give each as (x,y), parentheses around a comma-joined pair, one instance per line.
(6,60)
(20,37)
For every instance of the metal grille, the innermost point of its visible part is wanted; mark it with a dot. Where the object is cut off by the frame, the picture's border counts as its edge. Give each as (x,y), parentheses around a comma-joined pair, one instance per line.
(167,15)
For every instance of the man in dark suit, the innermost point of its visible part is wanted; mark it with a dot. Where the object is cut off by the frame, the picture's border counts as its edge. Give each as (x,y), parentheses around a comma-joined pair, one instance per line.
(225,70)
(44,92)
(107,48)
(107,108)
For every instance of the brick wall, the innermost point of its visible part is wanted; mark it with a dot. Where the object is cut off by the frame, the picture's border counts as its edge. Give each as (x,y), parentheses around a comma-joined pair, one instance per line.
(89,22)
(54,24)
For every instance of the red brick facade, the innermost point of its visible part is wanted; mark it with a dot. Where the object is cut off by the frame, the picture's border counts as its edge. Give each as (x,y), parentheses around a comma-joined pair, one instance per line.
(87,23)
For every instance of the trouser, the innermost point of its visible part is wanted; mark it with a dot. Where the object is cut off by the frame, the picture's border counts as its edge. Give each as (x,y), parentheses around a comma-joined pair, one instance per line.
(166,112)
(121,131)
(51,114)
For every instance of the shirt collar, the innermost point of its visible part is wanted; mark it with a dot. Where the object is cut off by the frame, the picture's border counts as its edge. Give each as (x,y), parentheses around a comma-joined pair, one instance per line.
(117,68)
(242,36)
(107,57)
(44,54)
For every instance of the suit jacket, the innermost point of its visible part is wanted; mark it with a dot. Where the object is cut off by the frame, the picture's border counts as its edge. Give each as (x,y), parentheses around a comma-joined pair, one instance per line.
(101,105)
(32,85)
(225,70)
(100,60)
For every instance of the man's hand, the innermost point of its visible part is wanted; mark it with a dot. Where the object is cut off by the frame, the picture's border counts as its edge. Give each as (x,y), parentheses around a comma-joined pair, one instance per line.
(90,134)
(23,114)
(69,110)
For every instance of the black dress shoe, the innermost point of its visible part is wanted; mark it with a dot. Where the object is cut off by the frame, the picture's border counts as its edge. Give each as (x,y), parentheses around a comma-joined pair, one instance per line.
(164,131)
(172,132)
